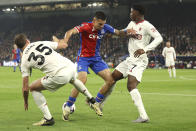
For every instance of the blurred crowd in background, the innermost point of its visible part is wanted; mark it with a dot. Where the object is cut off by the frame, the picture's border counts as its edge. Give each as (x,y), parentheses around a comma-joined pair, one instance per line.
(113,49)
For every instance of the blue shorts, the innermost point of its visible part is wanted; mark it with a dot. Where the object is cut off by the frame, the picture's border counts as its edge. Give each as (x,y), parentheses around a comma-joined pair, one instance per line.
(17,60)
(95,63)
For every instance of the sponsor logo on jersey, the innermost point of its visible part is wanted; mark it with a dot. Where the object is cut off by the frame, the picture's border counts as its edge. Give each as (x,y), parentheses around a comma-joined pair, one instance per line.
(94,36)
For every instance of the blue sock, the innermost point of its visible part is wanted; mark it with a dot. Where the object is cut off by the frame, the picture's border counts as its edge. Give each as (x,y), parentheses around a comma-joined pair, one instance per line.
(71,101)
(99,97)
(14,68)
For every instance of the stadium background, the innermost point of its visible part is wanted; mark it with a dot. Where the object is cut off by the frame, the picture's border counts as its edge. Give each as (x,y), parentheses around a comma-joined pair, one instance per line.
(40,19)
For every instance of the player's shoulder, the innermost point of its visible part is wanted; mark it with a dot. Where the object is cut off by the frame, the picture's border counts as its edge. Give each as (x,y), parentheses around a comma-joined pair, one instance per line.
(107,26)
(172,48)
(86,25)
(40,42)
(147,23)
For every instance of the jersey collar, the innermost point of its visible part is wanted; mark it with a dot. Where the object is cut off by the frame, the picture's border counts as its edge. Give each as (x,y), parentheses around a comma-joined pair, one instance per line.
(140,21)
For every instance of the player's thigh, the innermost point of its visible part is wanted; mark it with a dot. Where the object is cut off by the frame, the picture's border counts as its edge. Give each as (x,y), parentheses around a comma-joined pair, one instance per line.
(137,70)
(132,82)
(36,86)
(121,70)
(98,65)
(106,75)
(172,63)
(82,76)
(167,63)
(117,75)
(82,65)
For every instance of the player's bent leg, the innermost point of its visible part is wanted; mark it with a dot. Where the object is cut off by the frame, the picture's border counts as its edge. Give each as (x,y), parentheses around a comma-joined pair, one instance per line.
(82,76)
(116,75)
(136,97)
(36,87)
(174,71)
(81,88)
(169,71)
(106,75)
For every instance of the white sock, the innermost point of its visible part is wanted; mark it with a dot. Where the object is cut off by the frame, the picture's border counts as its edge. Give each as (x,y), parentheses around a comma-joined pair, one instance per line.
(81,88)
(41,103)
(170,74)
(107,94)
(137,99)
(174,72)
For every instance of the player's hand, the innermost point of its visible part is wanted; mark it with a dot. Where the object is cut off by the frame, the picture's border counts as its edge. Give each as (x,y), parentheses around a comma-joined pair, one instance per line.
(55,39)
(62,42)
(26,106)
(138,52)
(131,32)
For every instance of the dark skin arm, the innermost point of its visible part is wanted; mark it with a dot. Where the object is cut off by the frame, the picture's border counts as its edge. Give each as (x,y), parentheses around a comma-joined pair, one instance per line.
(138,52)
(25,91)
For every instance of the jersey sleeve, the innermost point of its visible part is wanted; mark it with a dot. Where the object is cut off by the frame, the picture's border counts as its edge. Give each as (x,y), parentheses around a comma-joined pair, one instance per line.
(81,27)
(163,52)
(13,51)
(51,44)
(174,53)
(109,29)
(25,70)
(128,26)
(151,30)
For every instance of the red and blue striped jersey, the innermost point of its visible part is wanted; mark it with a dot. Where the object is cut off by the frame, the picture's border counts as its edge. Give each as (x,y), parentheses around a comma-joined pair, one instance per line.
(90,38)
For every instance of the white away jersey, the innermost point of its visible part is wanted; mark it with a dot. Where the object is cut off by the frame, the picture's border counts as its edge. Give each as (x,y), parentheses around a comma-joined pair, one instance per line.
(41,55)
(144,32)
(169,53)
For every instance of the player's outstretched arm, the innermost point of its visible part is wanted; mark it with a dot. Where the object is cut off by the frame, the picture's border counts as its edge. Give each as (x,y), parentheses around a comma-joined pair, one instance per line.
(61,42)
(69,33)
(125,32)
(25,91)
(121,33)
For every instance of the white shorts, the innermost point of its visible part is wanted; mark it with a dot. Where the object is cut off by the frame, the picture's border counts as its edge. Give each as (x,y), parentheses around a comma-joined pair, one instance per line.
(169,62)
(63,76)
(136,69)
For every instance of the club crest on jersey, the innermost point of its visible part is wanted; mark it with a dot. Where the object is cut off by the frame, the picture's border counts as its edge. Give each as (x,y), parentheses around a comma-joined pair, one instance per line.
(102,31)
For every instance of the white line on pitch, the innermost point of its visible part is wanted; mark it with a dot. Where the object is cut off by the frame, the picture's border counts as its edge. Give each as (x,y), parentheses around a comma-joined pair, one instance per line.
(185,78)
(162,94)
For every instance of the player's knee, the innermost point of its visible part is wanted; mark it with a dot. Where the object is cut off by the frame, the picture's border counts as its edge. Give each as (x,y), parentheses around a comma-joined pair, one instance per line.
(130,87)
(83,80)
(111,82)
(31,89)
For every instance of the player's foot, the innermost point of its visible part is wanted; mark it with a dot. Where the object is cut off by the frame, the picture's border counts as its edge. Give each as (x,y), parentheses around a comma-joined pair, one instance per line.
(45,122)
(141,120)
(66,113)
(95,106)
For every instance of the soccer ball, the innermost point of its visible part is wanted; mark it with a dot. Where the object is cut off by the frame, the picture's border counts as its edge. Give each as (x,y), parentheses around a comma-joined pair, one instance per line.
(72,108)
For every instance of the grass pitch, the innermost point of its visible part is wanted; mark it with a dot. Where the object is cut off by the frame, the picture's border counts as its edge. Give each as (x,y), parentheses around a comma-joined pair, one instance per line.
(170,104)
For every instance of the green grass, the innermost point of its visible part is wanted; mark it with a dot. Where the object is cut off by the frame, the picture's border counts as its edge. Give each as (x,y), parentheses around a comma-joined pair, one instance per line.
(170,104)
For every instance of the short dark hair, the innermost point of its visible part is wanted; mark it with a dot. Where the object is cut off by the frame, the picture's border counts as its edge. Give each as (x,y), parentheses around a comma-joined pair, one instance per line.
(139,8)
(100,15)
(20,40)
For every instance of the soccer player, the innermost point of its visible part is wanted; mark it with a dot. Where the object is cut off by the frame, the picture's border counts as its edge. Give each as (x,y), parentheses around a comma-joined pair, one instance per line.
(133,67)
(91,34)
(170,56)
(58,69)
(16,55)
